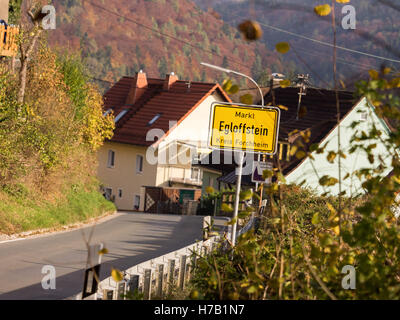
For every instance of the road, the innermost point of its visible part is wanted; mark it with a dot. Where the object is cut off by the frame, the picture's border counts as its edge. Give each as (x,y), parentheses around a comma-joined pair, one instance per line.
(130,238)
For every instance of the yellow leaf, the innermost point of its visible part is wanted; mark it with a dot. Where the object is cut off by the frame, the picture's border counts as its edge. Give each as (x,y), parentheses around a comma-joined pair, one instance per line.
(116,275)
(282,47)
(323,9)
(285,83)
(300,154)
(343,1)
(373,74)
(227,84)
(103,251)
(283,107)
(336,230)
(209,190)
(293,150)
(386,70)
(331,156)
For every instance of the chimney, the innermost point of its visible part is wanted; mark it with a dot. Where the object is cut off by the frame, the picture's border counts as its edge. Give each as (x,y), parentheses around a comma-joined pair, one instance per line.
(137,89)
(170,79)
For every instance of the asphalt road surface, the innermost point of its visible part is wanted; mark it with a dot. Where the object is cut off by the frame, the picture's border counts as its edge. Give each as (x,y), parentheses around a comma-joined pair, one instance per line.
(130,238)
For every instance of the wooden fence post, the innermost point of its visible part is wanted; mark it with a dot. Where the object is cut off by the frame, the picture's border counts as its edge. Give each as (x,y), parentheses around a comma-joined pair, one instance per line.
(206,227)
(182,271)
(133,284)
(160,280)
(171,274)
(120,291)
(108,294)
(147,284)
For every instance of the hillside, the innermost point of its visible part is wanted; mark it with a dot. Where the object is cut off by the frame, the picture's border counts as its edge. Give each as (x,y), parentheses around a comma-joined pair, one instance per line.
(120,37)
(376,33)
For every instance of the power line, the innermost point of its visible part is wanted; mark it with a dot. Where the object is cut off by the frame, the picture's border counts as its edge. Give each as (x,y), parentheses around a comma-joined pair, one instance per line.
(329,44)
(164,34)
(342,61)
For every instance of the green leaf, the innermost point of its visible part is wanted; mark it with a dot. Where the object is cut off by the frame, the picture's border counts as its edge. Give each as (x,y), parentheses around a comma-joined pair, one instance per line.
(267,174)
(226,208)
(246,99)
(234,89)
(315,219)
(328,181)
(300,154)
(231,222)
(246,194)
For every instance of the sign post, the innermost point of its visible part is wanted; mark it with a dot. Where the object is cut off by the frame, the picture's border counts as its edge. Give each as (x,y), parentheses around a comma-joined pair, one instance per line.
(92,272)
(243,128)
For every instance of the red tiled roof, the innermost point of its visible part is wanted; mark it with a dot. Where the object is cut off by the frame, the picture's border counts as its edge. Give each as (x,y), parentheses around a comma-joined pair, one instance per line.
(320,107)
(174,105)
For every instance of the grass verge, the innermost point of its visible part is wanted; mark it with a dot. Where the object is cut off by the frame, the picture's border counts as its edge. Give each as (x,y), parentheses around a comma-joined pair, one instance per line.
(24,211)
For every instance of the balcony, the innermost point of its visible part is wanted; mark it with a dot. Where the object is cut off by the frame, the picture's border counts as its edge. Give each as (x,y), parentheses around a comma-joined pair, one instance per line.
(191,176)
(8,40)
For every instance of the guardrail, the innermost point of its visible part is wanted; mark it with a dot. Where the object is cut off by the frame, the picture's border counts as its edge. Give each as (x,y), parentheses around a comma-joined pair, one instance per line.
(158,277)
(155,278)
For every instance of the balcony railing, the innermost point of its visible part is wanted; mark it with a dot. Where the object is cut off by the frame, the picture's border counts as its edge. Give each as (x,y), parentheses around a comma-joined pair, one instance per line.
(8,40)
(183,175)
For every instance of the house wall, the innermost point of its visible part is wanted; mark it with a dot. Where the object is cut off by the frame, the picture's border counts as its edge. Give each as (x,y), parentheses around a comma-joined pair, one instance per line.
(209,179)
(355,161)
(123,175)
(192,130)
(4,10)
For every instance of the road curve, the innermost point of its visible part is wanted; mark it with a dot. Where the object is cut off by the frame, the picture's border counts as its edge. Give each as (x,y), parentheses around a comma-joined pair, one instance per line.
(131,238)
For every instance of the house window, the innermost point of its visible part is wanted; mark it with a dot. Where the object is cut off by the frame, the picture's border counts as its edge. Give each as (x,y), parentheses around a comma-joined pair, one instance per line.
(154,119)
(120,115)
(363,116)
(120,193)
(111,159)
(107,193)
(136,203)
(139,164)
(195,174)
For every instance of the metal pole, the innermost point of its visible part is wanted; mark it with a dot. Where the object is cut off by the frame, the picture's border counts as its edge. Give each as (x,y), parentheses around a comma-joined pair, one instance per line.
(238,183)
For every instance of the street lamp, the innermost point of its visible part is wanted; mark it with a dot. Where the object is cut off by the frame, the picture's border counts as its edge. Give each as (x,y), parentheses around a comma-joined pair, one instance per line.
(208,65)
(241,153)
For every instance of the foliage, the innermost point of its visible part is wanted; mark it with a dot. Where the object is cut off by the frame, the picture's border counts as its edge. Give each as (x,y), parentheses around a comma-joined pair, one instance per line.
(49,141)
(14,11)
(305,240)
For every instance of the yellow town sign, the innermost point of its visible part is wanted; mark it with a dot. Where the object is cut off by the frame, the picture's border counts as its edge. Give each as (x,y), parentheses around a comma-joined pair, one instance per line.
(244,128)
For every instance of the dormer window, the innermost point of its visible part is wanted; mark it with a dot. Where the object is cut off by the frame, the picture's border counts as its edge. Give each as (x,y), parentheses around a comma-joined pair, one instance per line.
(120,115)
(155,118)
